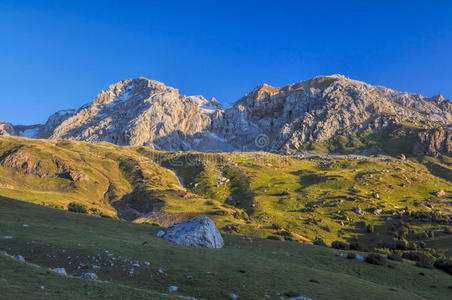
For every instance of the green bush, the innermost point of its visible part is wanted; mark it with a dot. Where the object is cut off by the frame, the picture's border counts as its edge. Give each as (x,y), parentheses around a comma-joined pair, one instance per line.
(444,264)
(355,246)
(424,264)
(340,245)
(447,230)
(376,259)
(77,207)
(319,242)
(395,257)
(418,256)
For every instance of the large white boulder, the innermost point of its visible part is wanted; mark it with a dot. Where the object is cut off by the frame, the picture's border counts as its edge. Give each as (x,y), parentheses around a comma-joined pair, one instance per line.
(199,232)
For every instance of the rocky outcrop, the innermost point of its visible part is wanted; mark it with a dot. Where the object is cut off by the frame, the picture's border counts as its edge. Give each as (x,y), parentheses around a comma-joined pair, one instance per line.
(7,129)
(200,232)
(434,142)
(25,162)
(146,112)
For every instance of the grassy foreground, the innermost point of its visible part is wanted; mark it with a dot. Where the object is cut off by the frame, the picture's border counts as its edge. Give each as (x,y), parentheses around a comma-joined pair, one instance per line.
(249,267)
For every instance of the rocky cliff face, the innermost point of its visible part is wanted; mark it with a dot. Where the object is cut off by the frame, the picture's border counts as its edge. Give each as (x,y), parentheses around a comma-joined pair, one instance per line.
(434,142)
(146,112)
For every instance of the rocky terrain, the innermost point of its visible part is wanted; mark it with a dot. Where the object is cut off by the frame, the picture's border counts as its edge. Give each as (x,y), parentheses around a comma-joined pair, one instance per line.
(146,112)
(434,142)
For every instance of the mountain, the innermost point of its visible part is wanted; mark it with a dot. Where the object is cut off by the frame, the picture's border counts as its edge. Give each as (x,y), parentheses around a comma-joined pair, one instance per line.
(282,120)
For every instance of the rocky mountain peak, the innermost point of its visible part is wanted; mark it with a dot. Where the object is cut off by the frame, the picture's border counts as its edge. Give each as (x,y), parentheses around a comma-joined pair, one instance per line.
(147,112)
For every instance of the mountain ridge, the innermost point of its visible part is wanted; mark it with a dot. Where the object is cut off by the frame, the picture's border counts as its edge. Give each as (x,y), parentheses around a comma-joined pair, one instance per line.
(273,119)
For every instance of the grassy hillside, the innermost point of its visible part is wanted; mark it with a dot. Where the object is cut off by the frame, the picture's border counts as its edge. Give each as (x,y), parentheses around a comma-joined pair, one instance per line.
(377,203)
(249,267)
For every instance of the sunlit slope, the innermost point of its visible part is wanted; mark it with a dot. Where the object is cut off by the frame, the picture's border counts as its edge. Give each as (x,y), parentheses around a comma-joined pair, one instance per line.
(375,201)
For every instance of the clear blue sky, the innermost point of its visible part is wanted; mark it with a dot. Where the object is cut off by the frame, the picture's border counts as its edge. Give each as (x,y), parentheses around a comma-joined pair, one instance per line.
(60,54)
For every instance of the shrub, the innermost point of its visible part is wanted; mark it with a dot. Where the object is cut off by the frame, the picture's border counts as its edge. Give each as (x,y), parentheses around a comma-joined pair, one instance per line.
(77,207)
(384,251)
(424,264)
(395,257)
(319,242)
(376,259)
(351,255)
(95,211)
(157,224)
(340,245)
(355,246)
(444,264)
(418,256)
(370,228)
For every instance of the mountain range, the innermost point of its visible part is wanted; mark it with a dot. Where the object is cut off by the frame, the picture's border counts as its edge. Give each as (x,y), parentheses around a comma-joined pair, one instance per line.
(332,110)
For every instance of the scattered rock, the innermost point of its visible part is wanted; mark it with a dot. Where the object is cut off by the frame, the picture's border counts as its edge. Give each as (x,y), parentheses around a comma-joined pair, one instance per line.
(377,211)
(19,257)
(90,276)
(136,265)
(173,288)
(199,232)
(7,237)
(161,233)
(147,263)
(232,296)
(359,211)
(25,225)
(59,270)
(360,258)
(439,193)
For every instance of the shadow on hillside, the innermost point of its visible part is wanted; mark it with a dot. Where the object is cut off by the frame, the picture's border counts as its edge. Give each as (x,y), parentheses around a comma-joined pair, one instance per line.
(309,178)
(439,171)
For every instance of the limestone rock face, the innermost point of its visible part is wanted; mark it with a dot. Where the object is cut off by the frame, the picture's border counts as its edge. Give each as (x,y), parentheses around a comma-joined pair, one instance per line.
(283,119)
(7,129)
(141,112)
(199,232)
(434,142)
(146,112)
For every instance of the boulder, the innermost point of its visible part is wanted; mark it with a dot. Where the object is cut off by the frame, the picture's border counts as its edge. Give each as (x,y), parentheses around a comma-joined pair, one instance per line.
(90,276)
(199,232)
(59,270)
(359,211)
(439,193)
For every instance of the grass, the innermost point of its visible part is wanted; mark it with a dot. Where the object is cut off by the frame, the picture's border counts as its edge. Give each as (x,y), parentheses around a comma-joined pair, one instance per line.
(249,267)
(259,194)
